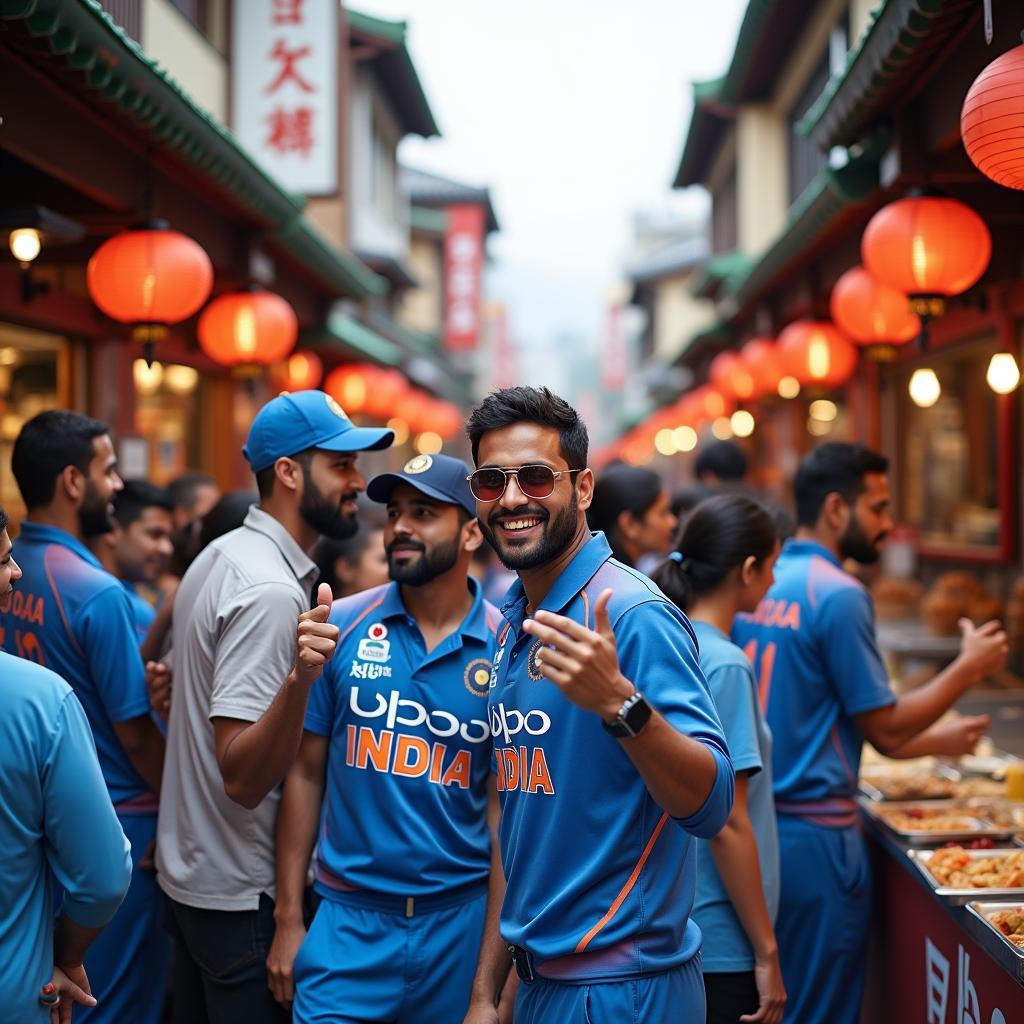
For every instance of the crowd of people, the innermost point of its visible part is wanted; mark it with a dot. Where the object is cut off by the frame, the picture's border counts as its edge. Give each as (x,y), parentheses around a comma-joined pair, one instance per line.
(508,741)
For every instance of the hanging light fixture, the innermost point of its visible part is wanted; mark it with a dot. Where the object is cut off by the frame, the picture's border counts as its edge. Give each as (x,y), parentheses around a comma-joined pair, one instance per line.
(150,278)
(871,313)
(731,375)
(742,423)
(761,358)
(817,352)
(992,120)
(1003,374)
(929,247)
(301,371)
(350,386)
(925,389)
(248,329)
(385,394)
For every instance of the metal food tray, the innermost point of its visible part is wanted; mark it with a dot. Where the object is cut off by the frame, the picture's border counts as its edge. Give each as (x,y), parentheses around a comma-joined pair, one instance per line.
(1009,956)
(961,897)
(941,769)
(984,829)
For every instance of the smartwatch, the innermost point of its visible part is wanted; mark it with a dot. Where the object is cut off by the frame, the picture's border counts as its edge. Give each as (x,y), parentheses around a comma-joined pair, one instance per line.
(634,714)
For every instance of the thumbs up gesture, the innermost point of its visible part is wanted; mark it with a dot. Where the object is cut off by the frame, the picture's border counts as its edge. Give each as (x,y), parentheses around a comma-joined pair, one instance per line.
(315,638)
(583,663)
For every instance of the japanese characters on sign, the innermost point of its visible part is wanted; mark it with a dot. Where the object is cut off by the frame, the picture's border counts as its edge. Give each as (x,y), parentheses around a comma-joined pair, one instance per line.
(284,87)
(463,267)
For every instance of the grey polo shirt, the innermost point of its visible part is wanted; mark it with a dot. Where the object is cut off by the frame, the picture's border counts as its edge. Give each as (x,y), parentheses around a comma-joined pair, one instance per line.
(234,643)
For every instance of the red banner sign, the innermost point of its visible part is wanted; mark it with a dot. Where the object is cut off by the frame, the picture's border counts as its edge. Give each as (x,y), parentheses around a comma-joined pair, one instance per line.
(463,267)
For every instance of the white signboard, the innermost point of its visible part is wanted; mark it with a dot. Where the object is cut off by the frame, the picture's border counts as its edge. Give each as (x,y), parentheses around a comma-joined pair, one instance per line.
(284,89)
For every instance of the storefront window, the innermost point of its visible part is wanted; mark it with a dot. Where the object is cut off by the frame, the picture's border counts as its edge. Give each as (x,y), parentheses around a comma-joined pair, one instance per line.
(168,411)
(949,471)
(32,378)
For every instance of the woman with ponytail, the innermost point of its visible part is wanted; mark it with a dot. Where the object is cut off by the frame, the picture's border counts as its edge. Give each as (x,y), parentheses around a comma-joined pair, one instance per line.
(723,565)
(631,507)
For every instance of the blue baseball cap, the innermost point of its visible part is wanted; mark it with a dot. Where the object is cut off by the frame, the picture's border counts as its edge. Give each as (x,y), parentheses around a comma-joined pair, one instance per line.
(297,420)
(437,476)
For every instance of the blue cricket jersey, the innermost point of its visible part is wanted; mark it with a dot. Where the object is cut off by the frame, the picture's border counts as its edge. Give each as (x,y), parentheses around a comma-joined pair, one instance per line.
(812,644)
(55,816)
(600,880)
(405,805)
(69,614)
(143,613)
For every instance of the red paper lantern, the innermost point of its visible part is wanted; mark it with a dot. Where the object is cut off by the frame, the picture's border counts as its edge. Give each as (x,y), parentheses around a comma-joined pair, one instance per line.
(250,328)
(992,120)
(927,247)
(301,371)
(414,408)
(816,352)
(731,376)
(708,403)
(450,420)
(870,312)
(150,278)
(387,388)
(761,358)
(350,386)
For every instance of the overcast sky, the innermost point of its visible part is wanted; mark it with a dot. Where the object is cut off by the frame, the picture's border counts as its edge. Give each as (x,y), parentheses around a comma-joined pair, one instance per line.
(573,112)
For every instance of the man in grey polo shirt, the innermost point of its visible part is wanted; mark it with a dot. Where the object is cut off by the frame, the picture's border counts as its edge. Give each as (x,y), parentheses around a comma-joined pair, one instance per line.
(240,700)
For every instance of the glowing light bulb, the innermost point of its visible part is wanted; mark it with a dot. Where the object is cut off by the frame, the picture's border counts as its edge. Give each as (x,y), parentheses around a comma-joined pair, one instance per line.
(1003,374)
(664,442)
(789,387)
(684,438)
(925,388)
(25,244)
(742,423)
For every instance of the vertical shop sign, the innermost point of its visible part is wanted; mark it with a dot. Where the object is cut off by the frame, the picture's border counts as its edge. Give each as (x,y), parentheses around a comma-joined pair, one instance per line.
(613,364)
(463,268)
(284,89)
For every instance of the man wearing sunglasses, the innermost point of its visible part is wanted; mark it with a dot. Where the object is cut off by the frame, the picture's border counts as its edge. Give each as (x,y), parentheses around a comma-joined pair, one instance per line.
(397,736)
(610,754)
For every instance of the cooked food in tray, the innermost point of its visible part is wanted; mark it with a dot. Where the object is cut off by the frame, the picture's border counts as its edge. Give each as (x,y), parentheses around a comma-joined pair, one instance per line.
(979,787)
(918,786)
(1000,812)
(927,819)
(1010,923)
(955,868)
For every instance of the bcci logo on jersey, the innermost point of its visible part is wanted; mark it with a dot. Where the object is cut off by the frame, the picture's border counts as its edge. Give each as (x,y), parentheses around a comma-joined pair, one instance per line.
(477,677)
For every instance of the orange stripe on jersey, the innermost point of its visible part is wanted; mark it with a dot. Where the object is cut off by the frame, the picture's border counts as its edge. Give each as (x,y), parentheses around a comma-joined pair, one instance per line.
(362,615)
(492,624)
(504,634)
(60,603)
(626,889)
(586,608)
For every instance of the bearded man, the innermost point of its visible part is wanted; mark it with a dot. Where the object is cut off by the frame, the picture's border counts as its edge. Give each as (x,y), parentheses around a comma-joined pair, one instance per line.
(238,707)
(825,690)
(72,616)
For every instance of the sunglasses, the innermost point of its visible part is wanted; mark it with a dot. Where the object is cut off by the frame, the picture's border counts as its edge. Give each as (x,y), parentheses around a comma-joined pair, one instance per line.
(534,481)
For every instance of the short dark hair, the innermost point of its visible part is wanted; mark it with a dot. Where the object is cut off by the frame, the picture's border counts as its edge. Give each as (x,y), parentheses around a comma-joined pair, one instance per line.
(46,446)
(265,477)
(182,489)
(136,497)
(509,406)
(833,468)
(3,520)
(725,459)
(721,533)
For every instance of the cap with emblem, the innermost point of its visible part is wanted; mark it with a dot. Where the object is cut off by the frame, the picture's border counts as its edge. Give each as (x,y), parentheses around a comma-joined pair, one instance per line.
(298,420)
(437,476)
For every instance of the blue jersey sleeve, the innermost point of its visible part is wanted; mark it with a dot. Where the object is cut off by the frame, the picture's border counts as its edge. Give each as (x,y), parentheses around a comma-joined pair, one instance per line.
(657,653)
(107,635)
(86,846)
(320,707)
(732,688)
(847,625)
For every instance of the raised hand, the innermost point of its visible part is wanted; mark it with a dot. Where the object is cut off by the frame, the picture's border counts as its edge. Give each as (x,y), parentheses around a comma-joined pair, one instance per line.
(316,639)
(583,663)
(983,648)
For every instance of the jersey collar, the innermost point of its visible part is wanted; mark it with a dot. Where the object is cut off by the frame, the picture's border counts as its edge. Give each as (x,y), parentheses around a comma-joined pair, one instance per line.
(298,561)
(39,533)
(474,625)
(575,576)
(793,546)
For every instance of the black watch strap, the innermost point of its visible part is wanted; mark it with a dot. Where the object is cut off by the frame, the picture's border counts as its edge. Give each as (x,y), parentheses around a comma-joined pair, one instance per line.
(634,714)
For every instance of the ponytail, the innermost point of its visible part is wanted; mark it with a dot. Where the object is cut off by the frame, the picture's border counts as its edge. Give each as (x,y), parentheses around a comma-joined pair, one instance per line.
(721,533)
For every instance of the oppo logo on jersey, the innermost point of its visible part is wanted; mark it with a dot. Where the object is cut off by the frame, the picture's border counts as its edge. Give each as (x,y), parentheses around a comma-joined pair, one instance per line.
(509,722)
(440,723)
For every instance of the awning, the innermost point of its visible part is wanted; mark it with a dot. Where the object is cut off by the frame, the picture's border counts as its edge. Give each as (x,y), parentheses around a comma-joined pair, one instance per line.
(354,340)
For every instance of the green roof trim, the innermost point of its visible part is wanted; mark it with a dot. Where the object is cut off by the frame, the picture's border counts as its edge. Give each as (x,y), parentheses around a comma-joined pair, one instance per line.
(400,77)
(715,337)
(427,220)
(356,339)
(710,117)
(116,71)
(892,55)
(832,194)
(716,270)
(755,22)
